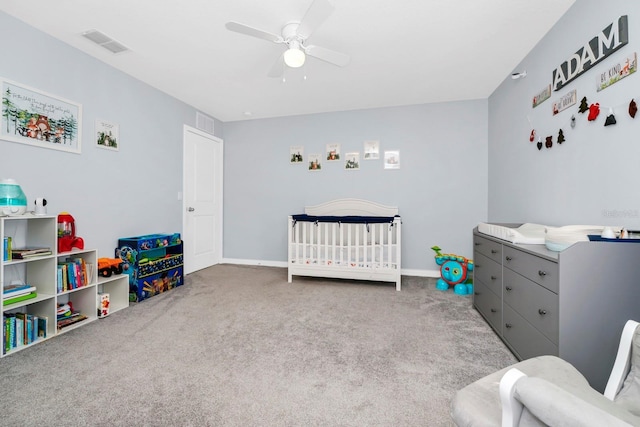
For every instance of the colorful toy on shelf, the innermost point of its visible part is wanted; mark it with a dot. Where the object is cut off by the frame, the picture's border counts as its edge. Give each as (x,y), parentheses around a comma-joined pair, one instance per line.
(453,272)
(109,266)
(67,239)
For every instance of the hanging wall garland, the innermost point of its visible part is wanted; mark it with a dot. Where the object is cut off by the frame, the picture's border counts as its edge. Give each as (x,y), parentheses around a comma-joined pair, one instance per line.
(612,38)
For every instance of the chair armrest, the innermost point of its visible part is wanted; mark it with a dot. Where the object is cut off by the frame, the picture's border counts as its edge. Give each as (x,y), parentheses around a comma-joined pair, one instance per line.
(622,363)
(555,406)
(511,407)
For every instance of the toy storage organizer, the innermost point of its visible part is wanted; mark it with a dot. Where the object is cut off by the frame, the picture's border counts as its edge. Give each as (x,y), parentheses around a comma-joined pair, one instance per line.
(154,263)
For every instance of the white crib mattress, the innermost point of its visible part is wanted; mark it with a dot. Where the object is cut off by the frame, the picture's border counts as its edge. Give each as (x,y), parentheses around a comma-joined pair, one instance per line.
(527,233)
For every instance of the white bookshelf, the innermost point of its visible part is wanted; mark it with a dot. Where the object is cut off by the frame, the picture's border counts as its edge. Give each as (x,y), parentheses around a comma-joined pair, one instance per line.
(41,272)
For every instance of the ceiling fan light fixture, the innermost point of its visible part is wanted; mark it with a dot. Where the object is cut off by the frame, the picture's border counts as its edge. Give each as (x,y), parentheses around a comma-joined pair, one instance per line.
(294,57)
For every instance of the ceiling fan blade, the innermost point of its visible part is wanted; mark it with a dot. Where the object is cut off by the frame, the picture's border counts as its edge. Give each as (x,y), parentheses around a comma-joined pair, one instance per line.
(331,56)
(277,70)
(253,32)
(317,13)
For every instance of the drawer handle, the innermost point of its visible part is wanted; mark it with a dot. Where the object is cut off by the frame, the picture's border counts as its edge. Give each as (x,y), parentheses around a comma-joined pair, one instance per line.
(493,251)
(493,277)
(508,258)
(542,312)
(476,293)
(509,288)
(508,325)
(477,266)
(477,243)
(493,310)
(542,273)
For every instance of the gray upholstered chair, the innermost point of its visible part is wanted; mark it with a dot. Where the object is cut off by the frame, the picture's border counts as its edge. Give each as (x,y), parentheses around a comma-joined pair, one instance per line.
(547,391)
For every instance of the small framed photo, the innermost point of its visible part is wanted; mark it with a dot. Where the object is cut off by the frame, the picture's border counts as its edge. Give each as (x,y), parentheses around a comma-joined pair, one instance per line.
(296,154)
(333,152)
(371,150)
(315,162)
(352,161)
(392,160)
(107,135)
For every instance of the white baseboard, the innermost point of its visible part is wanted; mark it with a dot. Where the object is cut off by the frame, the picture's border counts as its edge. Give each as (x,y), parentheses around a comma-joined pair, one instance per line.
(254,262)
(283,264)
(420,273)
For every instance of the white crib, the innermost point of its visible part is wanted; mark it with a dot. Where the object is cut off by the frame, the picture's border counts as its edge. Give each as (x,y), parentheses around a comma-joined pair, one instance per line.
(346,239)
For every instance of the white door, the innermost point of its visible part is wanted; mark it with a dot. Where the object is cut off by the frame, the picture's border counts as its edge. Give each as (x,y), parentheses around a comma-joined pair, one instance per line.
(202,200)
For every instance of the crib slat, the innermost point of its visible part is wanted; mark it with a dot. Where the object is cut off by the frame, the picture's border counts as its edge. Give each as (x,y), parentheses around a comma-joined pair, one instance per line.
(357,243)
(365,246)
(296,239)
(390,245)
(381,234)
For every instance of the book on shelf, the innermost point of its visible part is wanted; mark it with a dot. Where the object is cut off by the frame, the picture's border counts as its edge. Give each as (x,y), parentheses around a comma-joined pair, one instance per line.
(70,320)
(18,291)
(6,248)
(25,253)
(19,330)
(19,298)
(42,322)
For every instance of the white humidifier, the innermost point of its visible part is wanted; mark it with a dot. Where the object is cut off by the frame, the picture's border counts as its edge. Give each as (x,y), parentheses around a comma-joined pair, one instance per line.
(13,202)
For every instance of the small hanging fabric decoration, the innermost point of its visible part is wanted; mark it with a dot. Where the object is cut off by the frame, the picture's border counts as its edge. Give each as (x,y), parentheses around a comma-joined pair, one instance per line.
(532,137)
(548,142)
(583,105)
(560,137)
(594,110)
(539,144)
(611,120)
(573,121)
(633,109)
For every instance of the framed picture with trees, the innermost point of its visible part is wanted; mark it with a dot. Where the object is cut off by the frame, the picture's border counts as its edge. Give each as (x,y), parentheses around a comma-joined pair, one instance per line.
(31,116)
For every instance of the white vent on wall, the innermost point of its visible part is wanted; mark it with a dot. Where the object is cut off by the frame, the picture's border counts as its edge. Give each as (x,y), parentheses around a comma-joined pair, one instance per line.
(204,123)
(105,41)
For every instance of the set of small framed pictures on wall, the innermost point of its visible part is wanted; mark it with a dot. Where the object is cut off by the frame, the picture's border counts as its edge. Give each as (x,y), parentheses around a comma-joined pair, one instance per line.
(350,160)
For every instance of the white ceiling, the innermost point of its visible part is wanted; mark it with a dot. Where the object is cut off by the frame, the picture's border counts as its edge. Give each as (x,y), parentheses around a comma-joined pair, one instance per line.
(402,52)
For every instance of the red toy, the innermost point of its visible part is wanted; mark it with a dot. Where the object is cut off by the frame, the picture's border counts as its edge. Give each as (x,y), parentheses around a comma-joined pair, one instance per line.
(67,239)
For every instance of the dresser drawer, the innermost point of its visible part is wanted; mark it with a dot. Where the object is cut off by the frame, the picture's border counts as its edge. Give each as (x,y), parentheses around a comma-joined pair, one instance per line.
(538,305)
(488,271)
(540,270)
(488,304)
(525,340)
(488,247)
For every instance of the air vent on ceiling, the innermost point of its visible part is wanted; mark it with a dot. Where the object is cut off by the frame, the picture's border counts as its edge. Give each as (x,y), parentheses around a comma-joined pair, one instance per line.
(204,123)
(105,41)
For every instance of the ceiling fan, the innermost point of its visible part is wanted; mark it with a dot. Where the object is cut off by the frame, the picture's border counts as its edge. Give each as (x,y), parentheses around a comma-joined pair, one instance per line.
(294,36)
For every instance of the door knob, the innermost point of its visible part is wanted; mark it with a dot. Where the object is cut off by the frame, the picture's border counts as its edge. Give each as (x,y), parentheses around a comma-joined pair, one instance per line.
(190,209)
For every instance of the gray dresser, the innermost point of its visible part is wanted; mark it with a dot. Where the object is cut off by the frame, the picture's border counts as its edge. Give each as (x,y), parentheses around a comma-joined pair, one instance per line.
(571,304)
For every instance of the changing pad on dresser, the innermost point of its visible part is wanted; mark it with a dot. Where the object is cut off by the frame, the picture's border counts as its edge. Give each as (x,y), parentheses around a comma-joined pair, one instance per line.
(526,233)
(555,238)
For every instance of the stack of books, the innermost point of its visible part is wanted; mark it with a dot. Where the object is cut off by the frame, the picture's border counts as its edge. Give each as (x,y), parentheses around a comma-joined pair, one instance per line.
(17,292)
(67,316)
(26,253)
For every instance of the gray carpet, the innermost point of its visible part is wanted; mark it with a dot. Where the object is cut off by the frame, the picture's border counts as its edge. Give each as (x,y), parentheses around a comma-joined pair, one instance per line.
(239,346)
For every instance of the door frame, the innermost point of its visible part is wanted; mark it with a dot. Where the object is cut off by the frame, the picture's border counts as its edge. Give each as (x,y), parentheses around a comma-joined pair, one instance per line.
(220,174)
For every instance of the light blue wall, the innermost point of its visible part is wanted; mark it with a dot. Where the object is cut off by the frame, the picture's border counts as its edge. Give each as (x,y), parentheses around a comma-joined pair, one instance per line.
(440,188)
(593,177)
(110,194)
